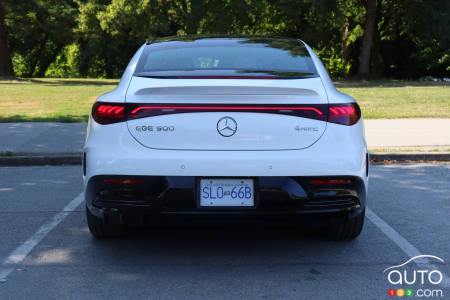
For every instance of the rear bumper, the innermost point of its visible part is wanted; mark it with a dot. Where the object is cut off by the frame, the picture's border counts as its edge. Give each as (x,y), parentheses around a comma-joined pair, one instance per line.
(177,195)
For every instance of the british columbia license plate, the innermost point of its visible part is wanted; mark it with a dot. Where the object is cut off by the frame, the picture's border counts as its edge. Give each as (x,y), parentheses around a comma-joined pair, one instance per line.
(226,192)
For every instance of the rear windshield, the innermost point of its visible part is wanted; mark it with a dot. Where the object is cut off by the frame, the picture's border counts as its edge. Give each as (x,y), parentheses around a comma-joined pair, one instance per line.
(226,57)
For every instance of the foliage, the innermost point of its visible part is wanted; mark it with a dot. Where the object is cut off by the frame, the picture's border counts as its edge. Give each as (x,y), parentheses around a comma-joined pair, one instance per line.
(96,38)
(38,32)
(334,62)
(66,64)
(419,29)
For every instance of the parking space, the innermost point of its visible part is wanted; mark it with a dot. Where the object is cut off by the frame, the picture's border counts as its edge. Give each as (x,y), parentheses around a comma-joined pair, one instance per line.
(214,262)
(29,196)
(415,200)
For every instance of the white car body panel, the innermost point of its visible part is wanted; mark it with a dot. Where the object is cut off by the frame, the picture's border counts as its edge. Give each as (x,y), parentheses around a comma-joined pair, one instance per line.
(333,150)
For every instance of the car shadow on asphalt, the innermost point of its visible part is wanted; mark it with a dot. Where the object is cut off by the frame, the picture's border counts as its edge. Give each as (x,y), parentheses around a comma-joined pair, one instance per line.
(217,238)
(199,246)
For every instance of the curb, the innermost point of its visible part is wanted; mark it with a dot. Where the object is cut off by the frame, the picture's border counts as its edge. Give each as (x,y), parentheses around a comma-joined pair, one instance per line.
(380,157)
(62,160)
(40,160)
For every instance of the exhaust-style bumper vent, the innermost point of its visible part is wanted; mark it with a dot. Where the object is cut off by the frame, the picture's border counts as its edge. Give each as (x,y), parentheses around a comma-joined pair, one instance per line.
(329,203)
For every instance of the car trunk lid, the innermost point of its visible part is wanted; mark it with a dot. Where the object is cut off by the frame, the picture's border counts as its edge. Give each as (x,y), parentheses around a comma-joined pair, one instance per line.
(226,114)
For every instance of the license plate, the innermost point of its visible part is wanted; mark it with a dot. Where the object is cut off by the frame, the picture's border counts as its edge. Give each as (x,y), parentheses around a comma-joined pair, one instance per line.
(226,192)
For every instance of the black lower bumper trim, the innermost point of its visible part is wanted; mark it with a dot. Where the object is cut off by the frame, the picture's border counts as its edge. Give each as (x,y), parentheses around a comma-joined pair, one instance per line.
(176,195)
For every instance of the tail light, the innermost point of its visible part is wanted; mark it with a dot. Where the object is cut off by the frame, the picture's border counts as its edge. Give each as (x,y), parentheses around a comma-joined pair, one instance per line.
(108,112)
(329,181)
(344,113)
(123,181)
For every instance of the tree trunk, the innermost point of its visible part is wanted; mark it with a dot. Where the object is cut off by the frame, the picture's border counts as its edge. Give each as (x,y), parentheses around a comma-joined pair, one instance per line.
(376,59)
(6,67)
(345,50)
(369,27)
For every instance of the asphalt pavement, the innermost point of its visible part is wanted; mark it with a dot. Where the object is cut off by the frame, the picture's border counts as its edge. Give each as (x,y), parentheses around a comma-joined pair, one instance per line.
(46,251)
(42,137)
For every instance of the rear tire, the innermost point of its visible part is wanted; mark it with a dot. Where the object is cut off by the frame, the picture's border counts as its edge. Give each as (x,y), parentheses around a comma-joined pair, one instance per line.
(100,229)
(346,228)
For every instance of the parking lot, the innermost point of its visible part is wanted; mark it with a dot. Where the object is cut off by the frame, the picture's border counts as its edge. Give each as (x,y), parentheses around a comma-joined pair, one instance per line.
(46,251)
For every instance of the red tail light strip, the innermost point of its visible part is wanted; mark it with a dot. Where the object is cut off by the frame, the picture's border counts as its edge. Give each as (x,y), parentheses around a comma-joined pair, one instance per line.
(246,108)
(124,181)
(312,111)
(330,181)
(110,109)
(108,112)
(342,113)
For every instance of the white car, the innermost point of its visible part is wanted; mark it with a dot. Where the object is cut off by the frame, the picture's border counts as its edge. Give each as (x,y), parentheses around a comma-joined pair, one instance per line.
(218,127)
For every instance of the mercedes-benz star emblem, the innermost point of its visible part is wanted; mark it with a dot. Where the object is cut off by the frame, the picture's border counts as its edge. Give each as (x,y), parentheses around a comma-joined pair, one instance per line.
(227,126)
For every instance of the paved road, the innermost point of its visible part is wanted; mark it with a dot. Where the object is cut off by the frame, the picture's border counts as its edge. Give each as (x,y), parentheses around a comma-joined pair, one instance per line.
(69,137)
(42,137)
(47,253)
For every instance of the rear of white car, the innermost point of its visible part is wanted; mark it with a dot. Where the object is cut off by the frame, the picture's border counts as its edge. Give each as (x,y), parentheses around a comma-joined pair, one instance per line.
(242,127)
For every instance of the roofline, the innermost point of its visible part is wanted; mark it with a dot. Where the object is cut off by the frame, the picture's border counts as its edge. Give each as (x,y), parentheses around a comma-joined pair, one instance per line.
(205,36)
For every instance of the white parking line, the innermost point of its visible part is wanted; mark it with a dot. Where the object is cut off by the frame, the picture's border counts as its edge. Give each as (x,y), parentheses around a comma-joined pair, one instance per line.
(406,246)
(19,254)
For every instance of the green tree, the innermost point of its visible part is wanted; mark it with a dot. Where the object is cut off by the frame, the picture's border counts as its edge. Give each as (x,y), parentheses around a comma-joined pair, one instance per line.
(6,67)
(414,38)
(106,30)
(38,31)
(95,38)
